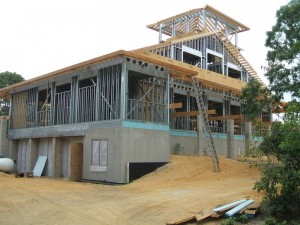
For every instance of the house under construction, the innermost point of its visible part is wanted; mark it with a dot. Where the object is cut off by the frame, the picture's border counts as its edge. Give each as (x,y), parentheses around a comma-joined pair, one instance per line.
(115,117)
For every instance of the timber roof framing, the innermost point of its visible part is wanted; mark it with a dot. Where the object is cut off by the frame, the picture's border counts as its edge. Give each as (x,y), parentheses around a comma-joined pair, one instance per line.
(178,70)
(206,18)
(238,56)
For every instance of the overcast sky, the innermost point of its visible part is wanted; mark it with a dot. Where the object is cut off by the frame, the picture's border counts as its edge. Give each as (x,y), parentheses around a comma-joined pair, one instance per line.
(38,37)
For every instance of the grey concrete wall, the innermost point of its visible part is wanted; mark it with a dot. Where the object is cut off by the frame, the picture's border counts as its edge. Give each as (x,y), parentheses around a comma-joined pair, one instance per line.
(58,144)
(142,145)
(32,154)
(4,142)
(188,143)
(125,145)
(230,139)
(114,167)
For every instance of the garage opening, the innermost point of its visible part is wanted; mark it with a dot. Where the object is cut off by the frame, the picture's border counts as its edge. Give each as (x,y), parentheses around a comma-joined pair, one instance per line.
(137,170)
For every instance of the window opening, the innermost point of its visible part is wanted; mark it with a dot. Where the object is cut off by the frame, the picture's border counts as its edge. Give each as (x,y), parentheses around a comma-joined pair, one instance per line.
(62,102)
(44,107)
(214,63)
(234,73)
(191,56)
(99,155)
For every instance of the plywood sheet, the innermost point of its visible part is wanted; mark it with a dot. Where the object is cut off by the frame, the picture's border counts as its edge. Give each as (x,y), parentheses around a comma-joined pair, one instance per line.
(39,166)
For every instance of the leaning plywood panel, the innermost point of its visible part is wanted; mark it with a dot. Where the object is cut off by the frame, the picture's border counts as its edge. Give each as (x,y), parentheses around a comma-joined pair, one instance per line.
(39,166)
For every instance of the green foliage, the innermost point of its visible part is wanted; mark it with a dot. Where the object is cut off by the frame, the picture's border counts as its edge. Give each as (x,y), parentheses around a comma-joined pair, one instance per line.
(269,220)
(243,218)
(283,57)
(229,221)
(281,181)
(7,79)
(234,220)
(258,98)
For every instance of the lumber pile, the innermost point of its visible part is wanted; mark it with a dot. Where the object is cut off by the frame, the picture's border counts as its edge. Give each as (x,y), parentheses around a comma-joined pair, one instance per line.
(244,206)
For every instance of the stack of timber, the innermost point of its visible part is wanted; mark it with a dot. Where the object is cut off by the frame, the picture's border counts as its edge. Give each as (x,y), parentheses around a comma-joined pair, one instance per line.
(244,206)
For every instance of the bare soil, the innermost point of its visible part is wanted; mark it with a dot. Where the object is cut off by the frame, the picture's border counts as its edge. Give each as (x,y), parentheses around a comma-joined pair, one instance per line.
(186,185)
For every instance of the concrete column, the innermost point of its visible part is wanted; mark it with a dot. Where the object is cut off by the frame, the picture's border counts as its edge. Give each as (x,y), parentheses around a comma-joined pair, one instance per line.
(31,154)
(13,149)
(248,135)
(200,140)
(230,139)
(57,157)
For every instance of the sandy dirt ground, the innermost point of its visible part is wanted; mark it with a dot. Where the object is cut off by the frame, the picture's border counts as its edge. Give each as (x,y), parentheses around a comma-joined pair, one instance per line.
(185,185)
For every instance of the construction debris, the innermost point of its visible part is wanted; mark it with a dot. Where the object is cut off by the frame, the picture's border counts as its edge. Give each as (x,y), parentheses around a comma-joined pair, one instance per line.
(244,206)
(239,208)
(252,210)
(228,206)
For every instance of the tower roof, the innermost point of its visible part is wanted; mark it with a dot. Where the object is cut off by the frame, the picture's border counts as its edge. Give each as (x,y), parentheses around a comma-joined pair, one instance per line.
(206,18)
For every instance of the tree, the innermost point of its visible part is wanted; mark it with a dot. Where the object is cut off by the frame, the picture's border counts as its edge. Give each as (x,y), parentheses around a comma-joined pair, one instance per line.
(283,41)
(258,98)
(281,180)
(7,79)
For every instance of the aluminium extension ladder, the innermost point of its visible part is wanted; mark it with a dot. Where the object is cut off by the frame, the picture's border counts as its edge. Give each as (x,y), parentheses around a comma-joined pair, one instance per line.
(204,116)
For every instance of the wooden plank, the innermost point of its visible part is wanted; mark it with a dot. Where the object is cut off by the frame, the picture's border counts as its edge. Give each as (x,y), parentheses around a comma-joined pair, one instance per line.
(255,205)
(240,121)
(192,113)
(182,220)
(176,105)
(76,161)
(227,117)
(239,208)
(252,209)
(201,215)
(217,214)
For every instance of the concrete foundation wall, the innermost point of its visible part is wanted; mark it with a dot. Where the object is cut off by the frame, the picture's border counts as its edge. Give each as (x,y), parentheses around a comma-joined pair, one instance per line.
(124,145)
(127,142)
(141,145)
(113,136)
(188,143)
